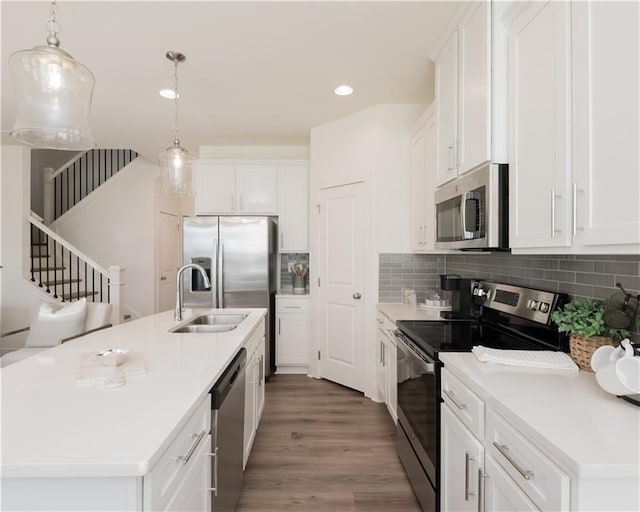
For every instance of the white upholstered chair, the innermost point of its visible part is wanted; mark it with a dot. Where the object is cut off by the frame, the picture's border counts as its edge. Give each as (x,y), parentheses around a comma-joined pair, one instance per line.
(52,326)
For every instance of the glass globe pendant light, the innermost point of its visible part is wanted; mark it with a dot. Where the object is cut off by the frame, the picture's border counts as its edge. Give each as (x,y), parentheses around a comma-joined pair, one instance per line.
(175,162)
(54,95)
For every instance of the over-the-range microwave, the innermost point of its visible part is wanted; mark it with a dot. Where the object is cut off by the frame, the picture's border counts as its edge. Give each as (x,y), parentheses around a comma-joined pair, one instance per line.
(472,212)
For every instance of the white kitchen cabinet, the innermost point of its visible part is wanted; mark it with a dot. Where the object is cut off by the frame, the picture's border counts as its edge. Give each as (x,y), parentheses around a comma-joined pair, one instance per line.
(215,187)
(501,493)
(606,120)
(193,494)
(574,125)
(471,93)
(293,206)
(539,126)
(386,366)
(292,334)
(254,391)
(462,460)
(235,188)
(424,146)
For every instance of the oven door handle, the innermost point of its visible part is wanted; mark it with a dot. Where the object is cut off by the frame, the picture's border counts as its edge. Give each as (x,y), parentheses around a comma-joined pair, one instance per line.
(427,364)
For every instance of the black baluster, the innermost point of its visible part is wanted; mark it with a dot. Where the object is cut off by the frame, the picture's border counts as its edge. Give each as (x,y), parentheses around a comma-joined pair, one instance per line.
(101,278)
(70,279)
(67,173)
(78,276)
(55,270)
(109,290)
(39,255)
(33,278)
(80,182)
(48,272)
(111,165)
(85,281)
(93,283)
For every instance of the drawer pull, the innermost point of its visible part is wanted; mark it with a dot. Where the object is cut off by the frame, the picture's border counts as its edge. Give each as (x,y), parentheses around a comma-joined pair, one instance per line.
(504,450)
(459,405)
(467,458)
(481,478)
(292,307)
(198,437)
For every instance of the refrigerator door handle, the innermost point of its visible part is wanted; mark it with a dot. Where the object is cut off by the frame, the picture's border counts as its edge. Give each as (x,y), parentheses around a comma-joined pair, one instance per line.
(220,273)
(214,275)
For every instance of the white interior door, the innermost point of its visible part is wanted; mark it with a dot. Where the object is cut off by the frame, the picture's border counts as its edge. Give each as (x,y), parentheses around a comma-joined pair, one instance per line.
(341,286)
(168,259)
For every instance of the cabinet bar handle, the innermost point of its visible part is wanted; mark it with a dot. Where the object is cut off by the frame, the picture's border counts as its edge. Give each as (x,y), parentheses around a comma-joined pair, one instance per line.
(575,209)
(214,489)
(279,325)
(459,405)
(554,196)
(467,458)
(185,458)
(504,450)
(281,240)
(449,168)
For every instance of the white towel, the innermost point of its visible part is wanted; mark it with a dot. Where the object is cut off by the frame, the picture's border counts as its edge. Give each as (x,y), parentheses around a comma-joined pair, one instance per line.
(93,371)
(528,358)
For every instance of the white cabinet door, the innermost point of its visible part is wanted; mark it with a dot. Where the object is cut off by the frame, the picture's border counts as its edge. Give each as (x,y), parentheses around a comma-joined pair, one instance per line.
(260,390)
(293,205)
(447,107)
(539,116)
(418,189)
(474,88)
(381,368)
(292,339)
(214,188)
(429,199)
(193,494)
(606,111)
(256,187)
(250,420)
(462,463)
(502,494)
(391,354)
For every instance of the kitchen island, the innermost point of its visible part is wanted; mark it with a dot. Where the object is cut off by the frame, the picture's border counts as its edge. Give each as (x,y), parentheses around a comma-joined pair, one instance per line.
(71,447)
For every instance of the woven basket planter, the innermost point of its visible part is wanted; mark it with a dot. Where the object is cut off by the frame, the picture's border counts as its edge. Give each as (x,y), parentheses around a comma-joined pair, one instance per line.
(583,348)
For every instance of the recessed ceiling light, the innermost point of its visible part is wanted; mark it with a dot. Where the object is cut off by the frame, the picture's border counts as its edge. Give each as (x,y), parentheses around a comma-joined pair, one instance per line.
(343,90)
(167,93)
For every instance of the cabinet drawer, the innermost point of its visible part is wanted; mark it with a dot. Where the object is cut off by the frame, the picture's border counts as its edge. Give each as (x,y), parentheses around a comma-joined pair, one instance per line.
(468,406)
(292,305)
(540,478)
(165,478)
(254,340)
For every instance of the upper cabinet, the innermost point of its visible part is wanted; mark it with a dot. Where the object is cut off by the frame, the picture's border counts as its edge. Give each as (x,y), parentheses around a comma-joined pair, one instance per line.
(574,126)
(293,206)
(252,187)
(223,188)
(423,156)
(471,77)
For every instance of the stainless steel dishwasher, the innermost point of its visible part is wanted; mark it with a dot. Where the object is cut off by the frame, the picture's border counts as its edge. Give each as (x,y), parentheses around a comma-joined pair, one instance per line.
(227,431)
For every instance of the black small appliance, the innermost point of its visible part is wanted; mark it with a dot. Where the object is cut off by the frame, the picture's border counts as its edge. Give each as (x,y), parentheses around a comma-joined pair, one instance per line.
(462,305)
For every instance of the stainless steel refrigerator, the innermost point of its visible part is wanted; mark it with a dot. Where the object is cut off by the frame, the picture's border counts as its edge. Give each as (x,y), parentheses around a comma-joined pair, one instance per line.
(239,255)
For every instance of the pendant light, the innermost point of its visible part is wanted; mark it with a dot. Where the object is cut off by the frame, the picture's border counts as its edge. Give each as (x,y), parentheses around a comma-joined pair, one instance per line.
(54,95)
(175,162)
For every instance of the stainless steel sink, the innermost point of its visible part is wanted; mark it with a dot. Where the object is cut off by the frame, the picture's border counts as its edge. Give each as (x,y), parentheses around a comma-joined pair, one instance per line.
(205,328)
(212,322)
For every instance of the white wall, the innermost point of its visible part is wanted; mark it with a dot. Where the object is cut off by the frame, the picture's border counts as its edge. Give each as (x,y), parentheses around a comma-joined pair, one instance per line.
(17,297)
(115,225)
(255,152)
(370,146)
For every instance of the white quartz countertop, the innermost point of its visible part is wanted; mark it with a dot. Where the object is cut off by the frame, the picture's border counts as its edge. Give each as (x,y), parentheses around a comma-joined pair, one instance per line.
(566,414)
(397,311)
(51,427)
(288,294)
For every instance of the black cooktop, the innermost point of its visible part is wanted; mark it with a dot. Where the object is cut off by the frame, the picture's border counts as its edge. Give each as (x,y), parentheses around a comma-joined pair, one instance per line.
(461,335)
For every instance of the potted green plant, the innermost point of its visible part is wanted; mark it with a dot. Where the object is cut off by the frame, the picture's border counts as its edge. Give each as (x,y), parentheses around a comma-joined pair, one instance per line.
(583,320)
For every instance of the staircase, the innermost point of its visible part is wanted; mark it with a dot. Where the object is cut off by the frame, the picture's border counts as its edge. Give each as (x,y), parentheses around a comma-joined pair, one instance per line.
(57,268)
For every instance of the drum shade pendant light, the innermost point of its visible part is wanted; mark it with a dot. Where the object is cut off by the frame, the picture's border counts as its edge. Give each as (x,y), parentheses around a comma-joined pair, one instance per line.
(54,95)
(175,162)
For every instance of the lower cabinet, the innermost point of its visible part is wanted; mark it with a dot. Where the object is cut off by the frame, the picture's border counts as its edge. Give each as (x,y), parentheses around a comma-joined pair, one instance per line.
(254,392)
(501,493)
(193,493)
(386,369)
(292,334)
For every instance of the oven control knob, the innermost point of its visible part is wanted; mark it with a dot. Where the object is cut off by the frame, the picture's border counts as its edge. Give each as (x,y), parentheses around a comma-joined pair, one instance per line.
(481,293)
(532,304)
(544,307)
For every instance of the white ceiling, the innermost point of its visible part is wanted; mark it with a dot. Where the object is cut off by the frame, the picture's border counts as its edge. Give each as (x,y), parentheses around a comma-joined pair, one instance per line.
(256,73)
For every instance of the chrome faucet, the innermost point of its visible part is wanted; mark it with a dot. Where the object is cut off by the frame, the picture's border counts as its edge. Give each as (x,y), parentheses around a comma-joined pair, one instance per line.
(207,284)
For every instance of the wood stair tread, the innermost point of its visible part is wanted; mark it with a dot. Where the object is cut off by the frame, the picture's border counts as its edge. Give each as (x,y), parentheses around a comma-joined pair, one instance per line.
(61,281)
(75,295)
(45,269)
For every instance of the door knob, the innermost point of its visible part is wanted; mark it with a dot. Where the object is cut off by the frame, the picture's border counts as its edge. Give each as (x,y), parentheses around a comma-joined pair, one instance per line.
(357,296)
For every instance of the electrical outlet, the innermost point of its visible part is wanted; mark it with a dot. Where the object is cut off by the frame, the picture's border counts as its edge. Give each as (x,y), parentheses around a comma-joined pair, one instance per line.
(290,266)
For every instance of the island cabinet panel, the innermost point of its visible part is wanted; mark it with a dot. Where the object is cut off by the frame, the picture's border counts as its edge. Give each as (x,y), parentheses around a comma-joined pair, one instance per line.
(194,492)
(116,494)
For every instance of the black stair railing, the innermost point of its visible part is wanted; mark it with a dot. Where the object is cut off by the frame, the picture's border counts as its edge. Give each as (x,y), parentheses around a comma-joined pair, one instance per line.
(84,174)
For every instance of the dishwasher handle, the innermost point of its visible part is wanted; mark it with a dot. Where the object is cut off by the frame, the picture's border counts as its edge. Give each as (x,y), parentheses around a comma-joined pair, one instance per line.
(227,380)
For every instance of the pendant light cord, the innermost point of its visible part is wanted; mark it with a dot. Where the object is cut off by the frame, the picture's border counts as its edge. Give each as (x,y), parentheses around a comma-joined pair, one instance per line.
(176,140)
(53,27)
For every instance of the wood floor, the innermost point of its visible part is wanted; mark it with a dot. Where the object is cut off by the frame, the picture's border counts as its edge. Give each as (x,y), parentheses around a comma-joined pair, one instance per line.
(323,447)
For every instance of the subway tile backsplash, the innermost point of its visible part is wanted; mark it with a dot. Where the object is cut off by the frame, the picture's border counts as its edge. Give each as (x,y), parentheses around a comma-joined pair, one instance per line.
(583,276)
(286,279)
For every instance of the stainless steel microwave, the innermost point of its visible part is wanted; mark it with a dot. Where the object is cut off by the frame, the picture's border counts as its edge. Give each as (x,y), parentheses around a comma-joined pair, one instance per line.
(472,212)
